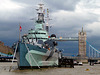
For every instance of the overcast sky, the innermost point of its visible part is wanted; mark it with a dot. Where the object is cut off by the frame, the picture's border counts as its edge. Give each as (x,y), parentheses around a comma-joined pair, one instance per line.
(68,18)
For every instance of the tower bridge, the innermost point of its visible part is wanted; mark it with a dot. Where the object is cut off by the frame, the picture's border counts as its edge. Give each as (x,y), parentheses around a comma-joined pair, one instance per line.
(81,42)
(93,53)
(67,39)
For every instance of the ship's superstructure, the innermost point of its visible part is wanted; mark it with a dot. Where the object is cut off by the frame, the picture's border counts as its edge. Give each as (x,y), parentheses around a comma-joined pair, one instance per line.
(39,33)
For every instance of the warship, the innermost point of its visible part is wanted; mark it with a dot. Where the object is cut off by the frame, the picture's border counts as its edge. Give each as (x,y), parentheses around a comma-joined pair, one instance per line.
(37,48)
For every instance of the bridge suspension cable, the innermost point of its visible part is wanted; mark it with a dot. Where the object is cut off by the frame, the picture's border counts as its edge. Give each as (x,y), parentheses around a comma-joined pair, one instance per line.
(93,52)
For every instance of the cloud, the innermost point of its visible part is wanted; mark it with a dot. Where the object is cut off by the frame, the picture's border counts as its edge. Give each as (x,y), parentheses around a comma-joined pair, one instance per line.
(8,5)
(11,13)
(10,16)
(93,29)
(9,9)
(71,22)
(68,5)
(68,16)
(92,8)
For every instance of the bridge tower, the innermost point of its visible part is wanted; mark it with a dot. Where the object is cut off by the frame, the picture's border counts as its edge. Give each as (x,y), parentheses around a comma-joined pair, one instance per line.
(82,43)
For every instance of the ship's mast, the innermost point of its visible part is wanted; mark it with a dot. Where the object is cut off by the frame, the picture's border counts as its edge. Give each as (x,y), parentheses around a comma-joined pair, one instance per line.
(40,20)
(40,14)
(47,24)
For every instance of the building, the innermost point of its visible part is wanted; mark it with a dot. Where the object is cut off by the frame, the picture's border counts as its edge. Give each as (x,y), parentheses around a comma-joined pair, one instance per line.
(82,43)
(5,49)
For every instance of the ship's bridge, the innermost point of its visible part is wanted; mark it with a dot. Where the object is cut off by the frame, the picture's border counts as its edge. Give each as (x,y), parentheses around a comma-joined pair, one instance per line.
(39,27)
(36,35)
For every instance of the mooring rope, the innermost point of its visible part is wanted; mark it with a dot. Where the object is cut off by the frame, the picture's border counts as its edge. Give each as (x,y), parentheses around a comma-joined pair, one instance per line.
(15,52)
(13,56)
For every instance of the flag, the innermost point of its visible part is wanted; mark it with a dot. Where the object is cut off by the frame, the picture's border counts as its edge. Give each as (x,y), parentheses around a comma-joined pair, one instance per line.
(47,10)
(20,28)
(44,11)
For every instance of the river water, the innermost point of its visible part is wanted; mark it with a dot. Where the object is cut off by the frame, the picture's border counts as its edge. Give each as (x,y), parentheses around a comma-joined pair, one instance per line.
(78,70)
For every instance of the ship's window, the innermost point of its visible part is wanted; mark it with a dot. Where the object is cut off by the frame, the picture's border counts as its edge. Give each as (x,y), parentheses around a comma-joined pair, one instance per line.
(41,38)
(30,40)
(37,33)
(40,41)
